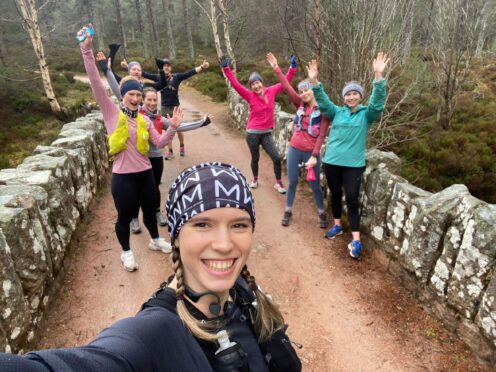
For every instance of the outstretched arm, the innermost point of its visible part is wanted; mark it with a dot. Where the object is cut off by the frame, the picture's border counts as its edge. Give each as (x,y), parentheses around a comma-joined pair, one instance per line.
(107,106)
(293,96)
(167,136)
(242,91)
(326,106)
(278,88)
(378,98)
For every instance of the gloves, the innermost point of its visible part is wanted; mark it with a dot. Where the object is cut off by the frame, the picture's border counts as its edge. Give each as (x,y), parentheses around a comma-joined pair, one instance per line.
(292,61)
(160,63)
(224,62)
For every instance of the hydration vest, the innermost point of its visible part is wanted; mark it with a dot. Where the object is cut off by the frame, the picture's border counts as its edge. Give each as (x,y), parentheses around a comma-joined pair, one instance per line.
(118,138)
(314,120)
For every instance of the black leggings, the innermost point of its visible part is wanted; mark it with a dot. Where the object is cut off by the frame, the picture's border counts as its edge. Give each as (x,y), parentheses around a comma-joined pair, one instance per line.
(254,140)
(130,192)
(158,169)
(350,178)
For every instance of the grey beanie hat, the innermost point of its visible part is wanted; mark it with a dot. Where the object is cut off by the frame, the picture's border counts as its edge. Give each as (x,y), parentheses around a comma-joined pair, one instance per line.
(133,63)
(353,86)
(254,76)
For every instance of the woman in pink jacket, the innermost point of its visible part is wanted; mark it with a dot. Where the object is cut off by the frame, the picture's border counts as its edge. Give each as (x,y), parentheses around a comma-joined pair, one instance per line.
(133,184)
(261,101)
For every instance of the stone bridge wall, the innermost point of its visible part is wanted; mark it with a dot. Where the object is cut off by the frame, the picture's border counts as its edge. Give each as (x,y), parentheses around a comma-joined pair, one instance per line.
(441,246)
(41,203)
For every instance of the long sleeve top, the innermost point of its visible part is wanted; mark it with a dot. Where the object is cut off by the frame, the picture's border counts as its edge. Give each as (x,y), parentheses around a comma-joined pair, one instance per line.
(301,139)
(169,85)
(129,160)
(348,134)
(261,116)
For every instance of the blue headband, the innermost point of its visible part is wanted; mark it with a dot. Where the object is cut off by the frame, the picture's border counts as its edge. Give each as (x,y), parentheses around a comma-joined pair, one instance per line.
(353,87)
(131,84)
(255,76)
(305,84)
(203,187)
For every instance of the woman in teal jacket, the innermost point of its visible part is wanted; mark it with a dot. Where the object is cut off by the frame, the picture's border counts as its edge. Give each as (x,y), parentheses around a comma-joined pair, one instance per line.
(344,160)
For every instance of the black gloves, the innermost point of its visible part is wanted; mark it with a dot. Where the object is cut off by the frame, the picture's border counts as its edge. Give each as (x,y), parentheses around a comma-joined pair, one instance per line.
(224,62)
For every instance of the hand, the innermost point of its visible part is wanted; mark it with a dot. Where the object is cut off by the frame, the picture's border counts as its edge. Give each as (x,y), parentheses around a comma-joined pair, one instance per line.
(177,118)
(124,64)
(224,62)
(272,60)
(312,162)
(88,41)
(292,61)
(100,56)
(313,71)
(205,65)
(380,63)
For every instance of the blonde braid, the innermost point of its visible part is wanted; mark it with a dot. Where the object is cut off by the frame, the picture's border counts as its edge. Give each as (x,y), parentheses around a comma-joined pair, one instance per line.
(197,328)
(268,318)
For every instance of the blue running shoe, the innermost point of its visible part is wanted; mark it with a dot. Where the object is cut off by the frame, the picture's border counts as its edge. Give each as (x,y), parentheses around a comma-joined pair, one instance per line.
(355,248)
(334,231)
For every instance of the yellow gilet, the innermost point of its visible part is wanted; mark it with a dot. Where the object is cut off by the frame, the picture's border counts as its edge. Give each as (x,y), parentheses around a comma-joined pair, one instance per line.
(117,140)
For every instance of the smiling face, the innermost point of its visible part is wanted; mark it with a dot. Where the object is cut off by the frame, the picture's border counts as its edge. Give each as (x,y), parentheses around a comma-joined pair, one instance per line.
(306,95)
(167,69)
(352,99)
(214,246)
(150,101)
(257,87)
(132,99)
(135,71)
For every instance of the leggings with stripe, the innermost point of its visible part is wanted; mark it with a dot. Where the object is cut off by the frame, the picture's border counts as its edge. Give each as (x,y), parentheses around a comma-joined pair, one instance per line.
(350,179)
(254,140)
(130,192)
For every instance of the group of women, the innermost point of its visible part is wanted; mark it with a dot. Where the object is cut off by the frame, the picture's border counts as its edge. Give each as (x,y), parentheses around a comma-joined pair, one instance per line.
(211,315)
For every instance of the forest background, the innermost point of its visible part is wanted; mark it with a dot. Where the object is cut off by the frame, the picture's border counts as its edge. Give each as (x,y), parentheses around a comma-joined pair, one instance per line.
(440,116)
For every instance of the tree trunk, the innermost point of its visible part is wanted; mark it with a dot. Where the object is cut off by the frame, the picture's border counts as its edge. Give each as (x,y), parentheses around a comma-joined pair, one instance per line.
(227,39)
(121,27)
(141,28)
(187,32)
(3,49)
(406,31)
(153,26)
(90,13)
(212,17)
(168,29)
(30,21)
(318,39)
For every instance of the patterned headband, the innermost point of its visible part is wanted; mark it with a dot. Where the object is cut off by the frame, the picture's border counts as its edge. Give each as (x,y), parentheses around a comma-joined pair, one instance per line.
(206,186)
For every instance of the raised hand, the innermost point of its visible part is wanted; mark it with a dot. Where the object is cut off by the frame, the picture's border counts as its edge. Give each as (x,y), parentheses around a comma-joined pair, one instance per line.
(292,61)
(88,40)
(205,64)
(313,71)
(272,60)
(124,64)
(224,61)
(177,117)
(100,56)
(380,62)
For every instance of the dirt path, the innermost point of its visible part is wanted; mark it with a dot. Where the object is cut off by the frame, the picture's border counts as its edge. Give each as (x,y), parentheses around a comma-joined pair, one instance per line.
(350,316)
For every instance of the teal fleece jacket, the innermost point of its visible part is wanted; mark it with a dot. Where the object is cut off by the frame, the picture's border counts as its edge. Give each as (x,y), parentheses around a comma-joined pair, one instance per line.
(348,134)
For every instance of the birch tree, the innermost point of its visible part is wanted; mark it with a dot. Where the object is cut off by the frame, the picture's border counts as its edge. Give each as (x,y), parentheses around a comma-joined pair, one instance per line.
(168,29)
(225,25)
(29,15)
(3,48)
(120,26)
(153,27)
(212,17)
(187,31)
(141,28)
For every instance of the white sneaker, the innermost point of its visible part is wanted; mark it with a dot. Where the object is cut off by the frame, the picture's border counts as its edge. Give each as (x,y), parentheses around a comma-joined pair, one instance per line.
(161,220)
(280,188)
(135,226)
(160,245)
(253,184)
(128,261)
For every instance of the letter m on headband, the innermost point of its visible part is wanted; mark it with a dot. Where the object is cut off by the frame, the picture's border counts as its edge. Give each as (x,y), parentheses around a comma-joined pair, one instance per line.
(222,193)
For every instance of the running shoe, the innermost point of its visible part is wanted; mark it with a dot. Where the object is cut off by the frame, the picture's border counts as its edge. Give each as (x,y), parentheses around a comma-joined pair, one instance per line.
(161,220)
(181,151)
(135,226)
(286,218)
(334,231)
(254,184)
(355,248)
(160,244)
(128,261)
(323,224)
(280,188)
(169,156)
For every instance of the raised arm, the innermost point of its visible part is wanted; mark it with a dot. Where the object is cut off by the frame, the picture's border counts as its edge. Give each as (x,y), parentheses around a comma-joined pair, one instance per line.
(378,98)
(106,104)
(242,91)
(293,96)
(326,106)
(105,65)
(278,88)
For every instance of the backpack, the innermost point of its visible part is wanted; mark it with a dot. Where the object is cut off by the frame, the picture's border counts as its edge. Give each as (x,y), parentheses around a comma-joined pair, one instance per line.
(278,352)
